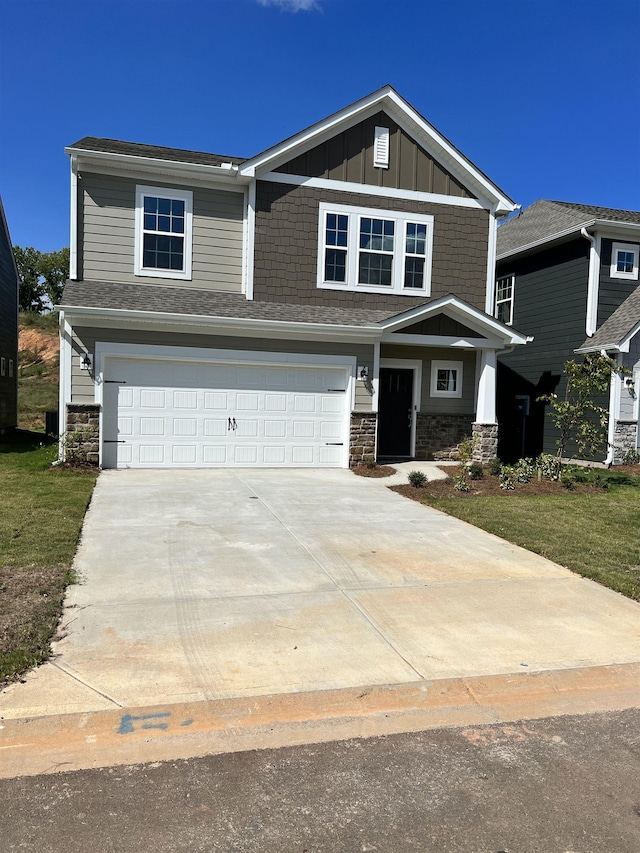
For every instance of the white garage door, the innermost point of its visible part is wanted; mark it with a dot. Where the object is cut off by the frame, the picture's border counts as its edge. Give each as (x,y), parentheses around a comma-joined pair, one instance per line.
(161,413)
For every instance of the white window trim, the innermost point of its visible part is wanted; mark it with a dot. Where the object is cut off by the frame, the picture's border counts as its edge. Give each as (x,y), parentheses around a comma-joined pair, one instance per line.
(400,218)
(163,192)
(446,365)
(634,249)
(502,301)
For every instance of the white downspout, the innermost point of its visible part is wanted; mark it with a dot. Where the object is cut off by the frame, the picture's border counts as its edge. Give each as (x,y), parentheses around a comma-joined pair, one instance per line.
(614,403)
(593,282)
(73,235)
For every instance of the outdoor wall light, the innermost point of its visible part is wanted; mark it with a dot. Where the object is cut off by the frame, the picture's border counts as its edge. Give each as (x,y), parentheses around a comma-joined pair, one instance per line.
(363,373)
(86,361)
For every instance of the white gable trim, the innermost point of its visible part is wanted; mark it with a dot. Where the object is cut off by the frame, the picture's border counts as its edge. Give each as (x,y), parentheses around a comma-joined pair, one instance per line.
(369,189)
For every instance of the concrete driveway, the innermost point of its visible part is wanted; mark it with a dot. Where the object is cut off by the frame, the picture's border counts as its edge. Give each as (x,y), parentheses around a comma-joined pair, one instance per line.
(208,585)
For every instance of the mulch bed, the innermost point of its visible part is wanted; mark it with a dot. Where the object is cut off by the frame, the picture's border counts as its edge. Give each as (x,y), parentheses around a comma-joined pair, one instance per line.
(489,486)
(373,470)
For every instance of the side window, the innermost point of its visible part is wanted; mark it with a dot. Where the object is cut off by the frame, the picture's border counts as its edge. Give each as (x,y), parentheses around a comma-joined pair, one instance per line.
(446,379)
(624,261)
(164,220)
(504,299)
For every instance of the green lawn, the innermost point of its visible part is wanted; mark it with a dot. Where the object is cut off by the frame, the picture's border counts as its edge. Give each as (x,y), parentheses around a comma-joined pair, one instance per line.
(596,535)
(41,513)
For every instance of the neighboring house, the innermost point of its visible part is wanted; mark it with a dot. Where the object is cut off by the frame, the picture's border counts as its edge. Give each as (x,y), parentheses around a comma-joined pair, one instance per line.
(9,292)
(566,272)
(320,304)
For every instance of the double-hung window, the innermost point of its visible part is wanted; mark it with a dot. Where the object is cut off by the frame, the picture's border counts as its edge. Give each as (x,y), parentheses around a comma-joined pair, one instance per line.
(164,220)
(624,261)
(374,251)
(504,299)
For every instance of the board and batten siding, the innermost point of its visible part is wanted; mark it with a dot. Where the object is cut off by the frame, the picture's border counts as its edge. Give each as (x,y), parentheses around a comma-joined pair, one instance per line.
(464,405)
(348,156)
(106,223)
(84,340)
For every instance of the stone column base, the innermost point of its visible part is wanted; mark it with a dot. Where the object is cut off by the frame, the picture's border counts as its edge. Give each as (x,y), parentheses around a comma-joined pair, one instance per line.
(625,437)
(81,436)
(485,438)
(362,438)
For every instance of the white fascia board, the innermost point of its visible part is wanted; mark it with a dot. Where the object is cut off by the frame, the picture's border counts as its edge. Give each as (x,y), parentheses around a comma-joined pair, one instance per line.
(623,345)
(613,230)
(467,314)
(447,341)
(223,325)
(92,160)
(407,118)
(370,189)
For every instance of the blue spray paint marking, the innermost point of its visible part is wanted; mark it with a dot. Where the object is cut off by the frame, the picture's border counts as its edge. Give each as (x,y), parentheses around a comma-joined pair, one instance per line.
(186,722)
(127,722)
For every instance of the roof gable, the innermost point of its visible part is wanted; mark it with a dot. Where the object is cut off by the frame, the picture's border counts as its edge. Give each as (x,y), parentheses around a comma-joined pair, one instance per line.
(415,126)
(616,331)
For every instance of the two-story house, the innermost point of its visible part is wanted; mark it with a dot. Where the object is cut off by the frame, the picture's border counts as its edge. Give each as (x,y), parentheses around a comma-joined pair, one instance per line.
(9,290)
(324,303)
(568,275)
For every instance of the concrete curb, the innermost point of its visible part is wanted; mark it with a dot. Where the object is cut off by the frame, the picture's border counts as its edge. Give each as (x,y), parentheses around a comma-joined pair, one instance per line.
(59,743)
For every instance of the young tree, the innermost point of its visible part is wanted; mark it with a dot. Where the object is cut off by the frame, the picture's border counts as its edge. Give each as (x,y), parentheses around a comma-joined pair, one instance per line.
(42,276)
(578,417)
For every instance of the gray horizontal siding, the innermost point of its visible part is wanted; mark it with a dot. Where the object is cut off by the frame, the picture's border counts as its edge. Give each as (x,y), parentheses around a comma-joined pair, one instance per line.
(107,222)
(84,340)
(464,405)
(630,360)
(612,291)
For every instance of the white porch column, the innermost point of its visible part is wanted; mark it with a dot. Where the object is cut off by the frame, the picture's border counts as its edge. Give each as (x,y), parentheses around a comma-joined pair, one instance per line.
(486,407)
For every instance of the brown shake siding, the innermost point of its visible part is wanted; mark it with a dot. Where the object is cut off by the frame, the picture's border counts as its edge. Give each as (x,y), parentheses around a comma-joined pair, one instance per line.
(286,248)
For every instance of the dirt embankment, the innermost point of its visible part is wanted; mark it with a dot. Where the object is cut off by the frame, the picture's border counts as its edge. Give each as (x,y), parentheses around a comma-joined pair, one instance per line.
(38,345)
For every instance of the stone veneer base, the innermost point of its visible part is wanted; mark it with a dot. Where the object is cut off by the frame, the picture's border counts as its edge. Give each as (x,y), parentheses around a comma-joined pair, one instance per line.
(485,438)
(82,433)
(362,438)
(438,436)
(625,438)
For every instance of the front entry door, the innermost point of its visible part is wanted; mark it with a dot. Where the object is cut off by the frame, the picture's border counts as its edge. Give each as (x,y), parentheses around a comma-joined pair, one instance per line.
(395,411)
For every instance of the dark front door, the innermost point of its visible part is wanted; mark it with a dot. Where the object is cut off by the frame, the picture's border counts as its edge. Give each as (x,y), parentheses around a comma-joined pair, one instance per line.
(395,411)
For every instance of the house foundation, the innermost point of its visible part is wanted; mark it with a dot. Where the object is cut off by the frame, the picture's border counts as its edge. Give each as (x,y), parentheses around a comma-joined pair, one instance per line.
(439,436)
(625,435)
(485,442)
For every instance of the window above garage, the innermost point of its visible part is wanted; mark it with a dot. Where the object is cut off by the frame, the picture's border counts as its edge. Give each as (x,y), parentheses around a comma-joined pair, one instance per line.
(164,222)
(374,251)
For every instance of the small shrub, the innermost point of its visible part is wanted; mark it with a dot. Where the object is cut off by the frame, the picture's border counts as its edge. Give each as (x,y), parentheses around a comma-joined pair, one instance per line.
(508,478)
(418,479)
(494,467)
(465,450)
(549,466)
(568,482)
(631,457)
(524,470)
(460,483)
(476,471)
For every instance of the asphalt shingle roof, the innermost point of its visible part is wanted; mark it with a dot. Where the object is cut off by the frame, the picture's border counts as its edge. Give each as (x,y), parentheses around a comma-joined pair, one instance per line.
(544,219)
(192,302)
(619,324)
(155,152)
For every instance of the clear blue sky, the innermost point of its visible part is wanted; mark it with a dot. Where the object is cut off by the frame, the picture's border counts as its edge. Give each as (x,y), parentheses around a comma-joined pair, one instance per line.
(543,95)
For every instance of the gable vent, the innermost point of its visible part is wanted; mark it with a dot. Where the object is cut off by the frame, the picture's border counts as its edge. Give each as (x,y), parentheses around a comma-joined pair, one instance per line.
(381,148)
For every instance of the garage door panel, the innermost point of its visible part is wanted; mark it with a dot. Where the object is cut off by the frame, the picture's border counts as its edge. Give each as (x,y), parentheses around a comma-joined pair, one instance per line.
(213,414)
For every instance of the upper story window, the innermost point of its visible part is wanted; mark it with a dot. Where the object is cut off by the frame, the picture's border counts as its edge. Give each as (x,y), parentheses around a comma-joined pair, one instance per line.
(624,261)
(504,299)
(164,220)
(374,251)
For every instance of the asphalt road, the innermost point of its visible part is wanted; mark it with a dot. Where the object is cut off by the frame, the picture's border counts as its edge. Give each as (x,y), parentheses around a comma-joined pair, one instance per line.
(555,785)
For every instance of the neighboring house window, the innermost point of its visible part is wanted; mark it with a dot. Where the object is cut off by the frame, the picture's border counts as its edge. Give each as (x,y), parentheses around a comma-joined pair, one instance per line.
(624,261)
(446,379)
(504,299)
(163,232)
(374,251)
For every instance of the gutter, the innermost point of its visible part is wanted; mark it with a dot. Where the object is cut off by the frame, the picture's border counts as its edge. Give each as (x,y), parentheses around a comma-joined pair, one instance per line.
(170,167)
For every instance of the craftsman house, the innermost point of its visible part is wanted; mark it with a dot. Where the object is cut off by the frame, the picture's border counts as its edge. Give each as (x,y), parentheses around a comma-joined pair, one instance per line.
(326,302)
(568,275)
